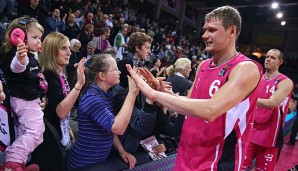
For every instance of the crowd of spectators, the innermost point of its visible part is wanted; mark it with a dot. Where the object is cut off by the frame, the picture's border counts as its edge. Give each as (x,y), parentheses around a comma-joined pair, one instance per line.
(73,16)
(97,26)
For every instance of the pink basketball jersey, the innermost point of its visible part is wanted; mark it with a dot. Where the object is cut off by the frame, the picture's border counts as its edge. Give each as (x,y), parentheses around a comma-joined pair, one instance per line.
(217,145)
(268,123)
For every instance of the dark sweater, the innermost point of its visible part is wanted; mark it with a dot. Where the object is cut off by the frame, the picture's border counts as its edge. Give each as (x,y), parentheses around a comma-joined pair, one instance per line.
(27,85)
(180,84)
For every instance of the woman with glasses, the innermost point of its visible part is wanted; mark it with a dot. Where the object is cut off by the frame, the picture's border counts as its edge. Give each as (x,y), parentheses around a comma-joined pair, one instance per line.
(97,120)
(61,98)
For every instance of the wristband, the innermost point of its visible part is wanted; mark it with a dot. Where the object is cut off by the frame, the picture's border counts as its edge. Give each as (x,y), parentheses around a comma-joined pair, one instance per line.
(77,88)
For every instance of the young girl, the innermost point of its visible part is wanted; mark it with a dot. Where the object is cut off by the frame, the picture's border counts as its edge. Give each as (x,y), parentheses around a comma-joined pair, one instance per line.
(27,86)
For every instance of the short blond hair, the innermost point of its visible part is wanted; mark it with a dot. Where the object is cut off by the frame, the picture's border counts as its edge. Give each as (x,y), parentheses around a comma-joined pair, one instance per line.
(179,65)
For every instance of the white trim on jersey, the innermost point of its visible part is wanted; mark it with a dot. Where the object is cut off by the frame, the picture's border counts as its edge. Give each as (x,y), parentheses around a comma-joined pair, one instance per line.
(216,156)
(237,112)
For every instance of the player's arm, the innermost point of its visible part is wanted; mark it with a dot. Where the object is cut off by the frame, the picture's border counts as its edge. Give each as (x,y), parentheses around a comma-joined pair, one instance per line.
(284,88)
(241,82)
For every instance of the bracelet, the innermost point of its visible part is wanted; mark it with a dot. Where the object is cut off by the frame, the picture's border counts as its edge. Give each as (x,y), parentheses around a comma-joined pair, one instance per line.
(76,88)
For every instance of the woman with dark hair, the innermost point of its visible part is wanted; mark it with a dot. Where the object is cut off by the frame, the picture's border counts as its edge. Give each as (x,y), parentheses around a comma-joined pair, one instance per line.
(86,36)
(156,70)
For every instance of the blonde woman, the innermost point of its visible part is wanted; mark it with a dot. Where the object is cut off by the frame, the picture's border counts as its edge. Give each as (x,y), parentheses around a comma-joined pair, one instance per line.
(53,60)
(178,74)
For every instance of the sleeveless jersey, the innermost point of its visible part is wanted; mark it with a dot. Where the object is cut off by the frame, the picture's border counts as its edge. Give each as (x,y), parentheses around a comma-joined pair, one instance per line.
(217,145)
(268,123)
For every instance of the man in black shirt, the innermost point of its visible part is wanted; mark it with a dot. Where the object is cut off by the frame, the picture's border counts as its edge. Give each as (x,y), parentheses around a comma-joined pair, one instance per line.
(33,10)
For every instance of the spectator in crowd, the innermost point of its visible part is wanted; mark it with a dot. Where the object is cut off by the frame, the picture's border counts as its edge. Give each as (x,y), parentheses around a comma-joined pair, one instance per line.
(74,60)
(27,86)
(195,62)
(143,115)
(45,7)
(10,5)
(165,61)
(208,108)
(62,5)
(178,74)
(269,116)
(91,47)
(103,40)
(96,116)
(98,24)
(96,5)
(109,21)
(72,30)
(54,23)
(293,106)
(32,9)
(138,48)
(105,18)
(53,60)
(89,19)
(170,53)
(86,36)
(75,5)
(116,29)
(179,53)
(161,53)
(148,61)
(79,19)
(111,51)
(7,119)
(156,70)
(120,42)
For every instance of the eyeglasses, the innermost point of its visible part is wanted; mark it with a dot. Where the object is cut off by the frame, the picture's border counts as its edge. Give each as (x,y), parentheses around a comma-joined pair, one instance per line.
(115,69)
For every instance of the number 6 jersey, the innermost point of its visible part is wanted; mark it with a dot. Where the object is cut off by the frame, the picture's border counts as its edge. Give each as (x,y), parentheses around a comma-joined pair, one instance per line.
(221,144)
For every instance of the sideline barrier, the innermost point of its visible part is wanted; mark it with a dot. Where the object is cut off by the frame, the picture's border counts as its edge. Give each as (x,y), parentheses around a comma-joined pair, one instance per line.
(165,164)
(144,162)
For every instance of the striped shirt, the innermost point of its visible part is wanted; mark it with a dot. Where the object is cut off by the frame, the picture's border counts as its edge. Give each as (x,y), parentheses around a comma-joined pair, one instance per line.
(95,120)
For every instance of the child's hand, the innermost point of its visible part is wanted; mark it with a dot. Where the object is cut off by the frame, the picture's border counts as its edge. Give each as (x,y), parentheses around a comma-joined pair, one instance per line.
(43,103)
(2,95)
(22,50)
